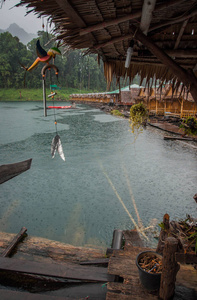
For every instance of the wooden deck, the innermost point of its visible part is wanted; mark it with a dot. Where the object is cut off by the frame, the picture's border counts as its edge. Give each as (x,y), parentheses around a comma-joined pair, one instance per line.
(40,266)
(122,263)
(14,295)
(166,127)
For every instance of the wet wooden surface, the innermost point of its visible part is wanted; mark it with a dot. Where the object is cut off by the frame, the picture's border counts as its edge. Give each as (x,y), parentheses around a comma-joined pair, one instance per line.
(63,270)
(14,295)
(167,127)
(44,250)
(123,263)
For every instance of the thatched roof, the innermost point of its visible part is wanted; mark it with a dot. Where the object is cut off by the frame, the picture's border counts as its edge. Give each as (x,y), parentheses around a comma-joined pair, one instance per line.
(106,27)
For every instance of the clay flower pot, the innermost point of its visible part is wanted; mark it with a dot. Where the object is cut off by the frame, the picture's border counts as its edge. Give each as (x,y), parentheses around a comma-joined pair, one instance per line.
(150,280)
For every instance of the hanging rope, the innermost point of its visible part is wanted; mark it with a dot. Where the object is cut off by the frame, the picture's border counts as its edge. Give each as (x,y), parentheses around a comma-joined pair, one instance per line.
(54,113)
(56,144)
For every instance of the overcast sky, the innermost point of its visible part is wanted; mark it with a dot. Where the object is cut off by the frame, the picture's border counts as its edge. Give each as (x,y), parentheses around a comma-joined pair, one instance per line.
(29,23)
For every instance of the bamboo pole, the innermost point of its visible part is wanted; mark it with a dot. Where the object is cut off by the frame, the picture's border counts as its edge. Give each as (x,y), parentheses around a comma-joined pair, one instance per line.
(44,97)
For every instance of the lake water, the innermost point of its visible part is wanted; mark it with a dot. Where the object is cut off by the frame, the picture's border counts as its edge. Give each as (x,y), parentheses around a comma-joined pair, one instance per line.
(108,181)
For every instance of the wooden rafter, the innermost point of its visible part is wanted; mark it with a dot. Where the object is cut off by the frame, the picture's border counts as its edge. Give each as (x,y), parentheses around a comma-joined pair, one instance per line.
(74,15)
(131,16)
(176,21)
(71,12)
(114,40)
(174,53)
(187,77)
(180,33)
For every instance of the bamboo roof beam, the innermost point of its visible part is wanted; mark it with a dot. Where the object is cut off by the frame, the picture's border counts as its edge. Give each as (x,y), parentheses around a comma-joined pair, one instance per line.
(174,53)
(178,20)
(131,16)
(147,9)
(113,41)
(180,33)
(71,12)
(186,76)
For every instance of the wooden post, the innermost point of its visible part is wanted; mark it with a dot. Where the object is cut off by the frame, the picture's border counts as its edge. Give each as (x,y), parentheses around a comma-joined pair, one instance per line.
(170,269)
(44,96)
(163,234)
(156,105)
(181,108)
(164,107)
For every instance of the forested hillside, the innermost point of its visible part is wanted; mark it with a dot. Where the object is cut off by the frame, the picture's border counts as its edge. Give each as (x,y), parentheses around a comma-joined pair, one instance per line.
(75,69)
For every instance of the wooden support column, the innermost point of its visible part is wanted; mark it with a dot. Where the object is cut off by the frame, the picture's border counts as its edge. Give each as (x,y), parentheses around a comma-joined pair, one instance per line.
(163,234)
(44,96)
(181,107)
(156,103)
(186,76)
(170,269)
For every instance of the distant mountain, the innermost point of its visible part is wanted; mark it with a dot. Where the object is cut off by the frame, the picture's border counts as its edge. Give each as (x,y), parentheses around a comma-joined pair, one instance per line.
(23,36)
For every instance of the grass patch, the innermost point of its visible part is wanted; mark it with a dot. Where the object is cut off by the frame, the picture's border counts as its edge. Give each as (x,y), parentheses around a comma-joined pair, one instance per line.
(117,113)
(37,94)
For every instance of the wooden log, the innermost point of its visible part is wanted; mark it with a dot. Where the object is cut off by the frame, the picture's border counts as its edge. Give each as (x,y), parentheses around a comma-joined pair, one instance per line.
(163,234)
(170,269)
(9,171)
(178,138)
(14,242)
(41,249)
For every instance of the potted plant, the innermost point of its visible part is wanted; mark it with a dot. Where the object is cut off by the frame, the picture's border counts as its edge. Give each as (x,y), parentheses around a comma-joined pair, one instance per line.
(149,265)
(138,118)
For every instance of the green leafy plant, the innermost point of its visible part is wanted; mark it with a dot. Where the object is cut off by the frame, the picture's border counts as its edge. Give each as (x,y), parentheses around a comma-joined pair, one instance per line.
(189,126)
(116,112)
(162,225)
(138,118)
(192,238)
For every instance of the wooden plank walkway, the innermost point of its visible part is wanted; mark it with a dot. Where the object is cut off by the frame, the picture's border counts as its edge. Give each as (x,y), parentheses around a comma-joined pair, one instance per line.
(123,263)
(63,270)
(14,295)
(167,127)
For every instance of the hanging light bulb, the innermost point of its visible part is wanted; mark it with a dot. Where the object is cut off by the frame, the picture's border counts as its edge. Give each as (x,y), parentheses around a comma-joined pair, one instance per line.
(129,54)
